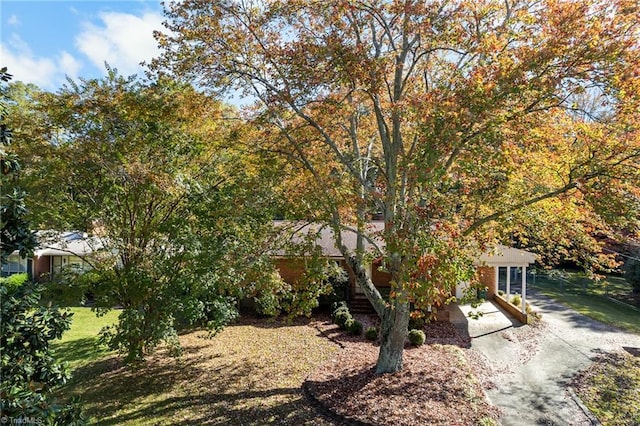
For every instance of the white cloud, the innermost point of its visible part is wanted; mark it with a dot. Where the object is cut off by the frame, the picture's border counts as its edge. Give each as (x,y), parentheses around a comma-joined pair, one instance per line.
(13,20)
(70,65)
(46,72)
(123,40)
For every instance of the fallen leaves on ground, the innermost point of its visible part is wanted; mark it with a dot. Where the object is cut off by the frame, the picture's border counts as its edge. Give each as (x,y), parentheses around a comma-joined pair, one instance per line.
(252,373)
(610,387)
(249,374)
(436,385)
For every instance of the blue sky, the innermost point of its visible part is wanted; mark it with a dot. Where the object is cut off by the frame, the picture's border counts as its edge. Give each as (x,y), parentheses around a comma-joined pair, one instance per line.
(42,41)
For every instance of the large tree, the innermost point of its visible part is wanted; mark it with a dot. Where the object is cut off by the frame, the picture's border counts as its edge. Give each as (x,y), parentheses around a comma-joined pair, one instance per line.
(151,171)
(29,370)
(430,112)
(15,233)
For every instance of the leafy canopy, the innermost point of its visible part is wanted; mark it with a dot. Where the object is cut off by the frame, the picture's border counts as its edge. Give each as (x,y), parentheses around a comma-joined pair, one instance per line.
(151,171)
(444,117)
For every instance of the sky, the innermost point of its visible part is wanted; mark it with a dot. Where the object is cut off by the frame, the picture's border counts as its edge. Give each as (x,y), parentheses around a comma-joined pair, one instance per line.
(42,42)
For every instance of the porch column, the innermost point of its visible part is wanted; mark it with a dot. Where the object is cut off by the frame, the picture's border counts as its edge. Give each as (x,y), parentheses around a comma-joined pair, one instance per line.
(508,282)
(524,289)
(497,279)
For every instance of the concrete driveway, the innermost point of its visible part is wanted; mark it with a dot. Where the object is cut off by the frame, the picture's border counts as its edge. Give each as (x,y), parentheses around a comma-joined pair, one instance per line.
(531,367)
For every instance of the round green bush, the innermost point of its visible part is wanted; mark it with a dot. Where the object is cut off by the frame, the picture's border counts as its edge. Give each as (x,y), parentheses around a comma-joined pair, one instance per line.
(348,324)
(339,308)
(516,300)
(417,337)
(341,319)
(371,333)
(354,327)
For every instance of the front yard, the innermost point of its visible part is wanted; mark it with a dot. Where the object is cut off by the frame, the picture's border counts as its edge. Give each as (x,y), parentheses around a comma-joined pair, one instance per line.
(250,374)
(610,387)
(608,300)
(253,372)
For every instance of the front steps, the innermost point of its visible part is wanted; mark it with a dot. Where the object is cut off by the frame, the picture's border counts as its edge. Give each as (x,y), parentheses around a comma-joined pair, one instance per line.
(359,304)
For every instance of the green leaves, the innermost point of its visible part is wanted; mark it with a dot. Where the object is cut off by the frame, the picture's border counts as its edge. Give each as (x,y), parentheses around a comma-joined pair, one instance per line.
(161,175)
(28,366)
(457,114)
(14,227)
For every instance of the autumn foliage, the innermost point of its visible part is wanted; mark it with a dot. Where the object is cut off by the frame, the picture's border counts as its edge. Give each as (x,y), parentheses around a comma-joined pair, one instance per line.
(463,114)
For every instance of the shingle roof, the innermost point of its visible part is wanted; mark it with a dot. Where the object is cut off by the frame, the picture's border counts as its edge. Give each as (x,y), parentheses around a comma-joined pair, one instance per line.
(297,231)
(506,256)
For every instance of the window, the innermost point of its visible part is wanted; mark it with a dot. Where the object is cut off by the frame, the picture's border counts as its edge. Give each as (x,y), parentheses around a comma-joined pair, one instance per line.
(14,265)
(515,282)
(72,263)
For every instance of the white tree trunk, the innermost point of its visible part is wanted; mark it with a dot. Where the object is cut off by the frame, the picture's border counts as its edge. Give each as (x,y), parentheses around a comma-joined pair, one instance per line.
(393,332)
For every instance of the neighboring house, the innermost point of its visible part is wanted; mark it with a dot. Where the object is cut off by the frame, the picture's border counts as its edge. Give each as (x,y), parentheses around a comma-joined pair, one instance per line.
(501,269)
(16,264)
(56,251)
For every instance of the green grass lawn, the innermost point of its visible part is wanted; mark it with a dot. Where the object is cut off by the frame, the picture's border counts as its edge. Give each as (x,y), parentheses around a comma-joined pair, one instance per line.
(79,345)
(593,299)
(610,388)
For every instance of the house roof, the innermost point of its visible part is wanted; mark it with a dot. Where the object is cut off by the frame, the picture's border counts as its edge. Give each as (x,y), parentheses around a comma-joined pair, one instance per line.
(296,232)
(506,256)
(66,244)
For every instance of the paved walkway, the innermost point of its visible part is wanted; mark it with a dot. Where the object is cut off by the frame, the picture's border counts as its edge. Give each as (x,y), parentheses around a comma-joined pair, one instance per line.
(532,369)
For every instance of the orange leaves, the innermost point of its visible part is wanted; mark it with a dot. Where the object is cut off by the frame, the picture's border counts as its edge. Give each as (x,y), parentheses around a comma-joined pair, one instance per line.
(470,109)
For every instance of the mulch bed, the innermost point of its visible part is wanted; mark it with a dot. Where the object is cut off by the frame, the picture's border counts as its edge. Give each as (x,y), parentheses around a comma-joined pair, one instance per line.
(436,385)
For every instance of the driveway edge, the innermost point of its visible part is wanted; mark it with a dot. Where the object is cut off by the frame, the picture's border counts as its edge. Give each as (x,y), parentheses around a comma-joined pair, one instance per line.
(593,419)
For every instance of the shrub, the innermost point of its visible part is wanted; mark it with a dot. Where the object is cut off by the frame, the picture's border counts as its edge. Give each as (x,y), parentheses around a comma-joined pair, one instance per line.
(348,324)
(354,327)
(337,311)
(339,281)
(337,305)
(13,282)
(417,337)
(516,300)
(268,304)
(29,370)
(371,333)
(341,319)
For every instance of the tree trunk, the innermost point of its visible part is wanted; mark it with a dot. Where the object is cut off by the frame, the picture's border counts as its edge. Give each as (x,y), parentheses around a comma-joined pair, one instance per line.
(393,332)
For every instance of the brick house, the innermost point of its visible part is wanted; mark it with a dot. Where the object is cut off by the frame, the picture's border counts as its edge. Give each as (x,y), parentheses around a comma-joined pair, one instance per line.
(503,269)
(56,251)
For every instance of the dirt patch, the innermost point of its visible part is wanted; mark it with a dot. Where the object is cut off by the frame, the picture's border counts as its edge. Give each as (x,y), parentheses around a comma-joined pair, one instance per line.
(436,385)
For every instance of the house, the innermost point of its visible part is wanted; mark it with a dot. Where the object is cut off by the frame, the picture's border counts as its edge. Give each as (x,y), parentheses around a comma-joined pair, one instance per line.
(15,264)
(500,270)
(56,251)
